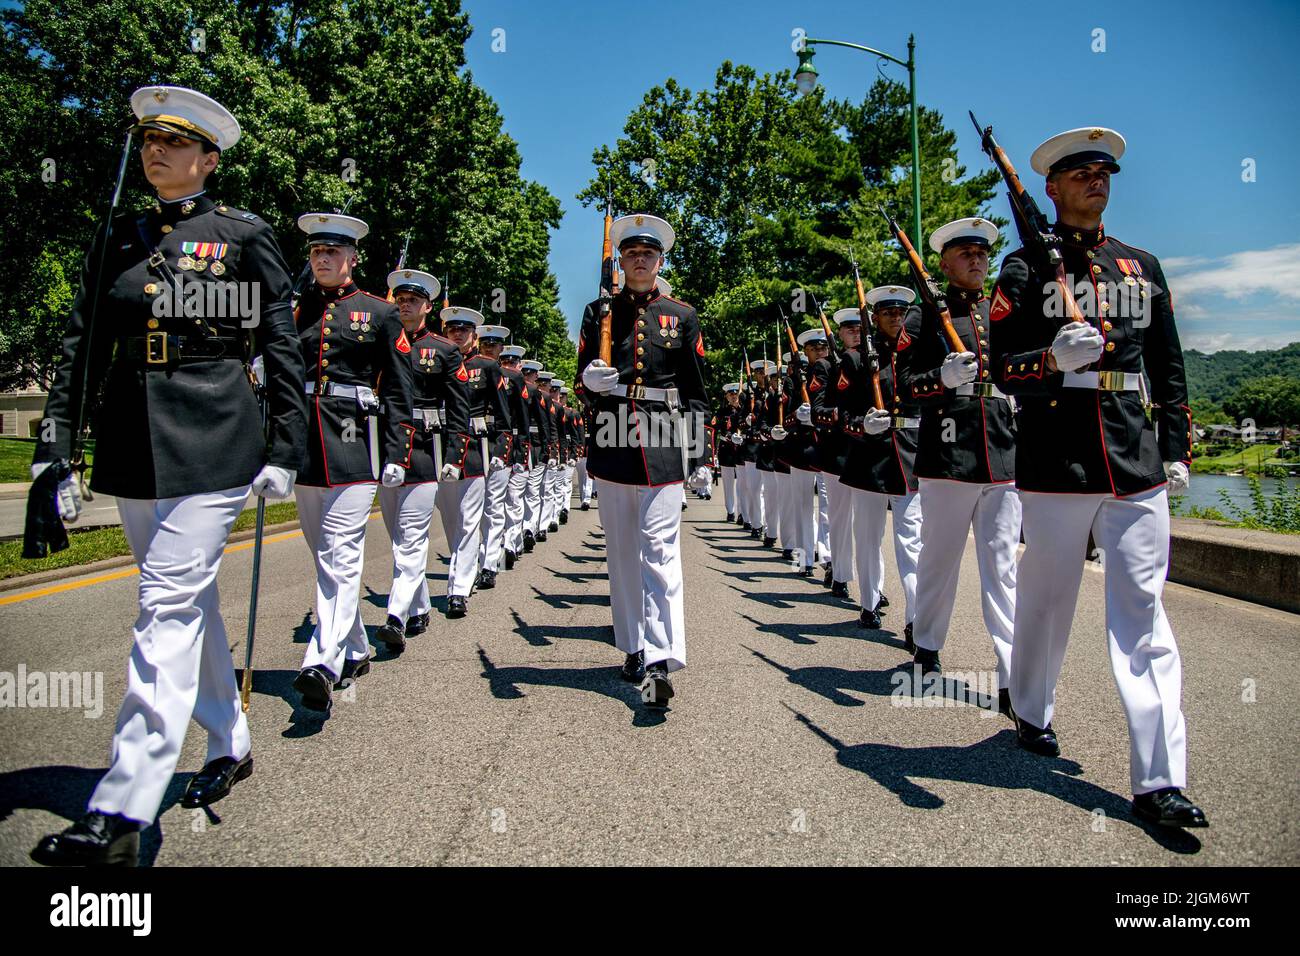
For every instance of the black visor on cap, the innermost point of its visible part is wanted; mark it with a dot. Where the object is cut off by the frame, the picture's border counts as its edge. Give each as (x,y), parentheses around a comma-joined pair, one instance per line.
(330,239)
(964,241)
(894,303)
(1075,160)
(643,239)
(415,287)
(181,131)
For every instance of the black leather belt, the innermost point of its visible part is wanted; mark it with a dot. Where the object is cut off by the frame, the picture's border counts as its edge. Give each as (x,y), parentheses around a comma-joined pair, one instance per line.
(161,348)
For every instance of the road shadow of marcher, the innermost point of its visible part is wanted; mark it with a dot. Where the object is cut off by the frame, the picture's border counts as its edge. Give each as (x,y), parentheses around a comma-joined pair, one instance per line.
(64,792)
(503,683)
(995,762)
(546,635)
(786,600)
(851,630)
(903,679)
(582,558)
(566,602)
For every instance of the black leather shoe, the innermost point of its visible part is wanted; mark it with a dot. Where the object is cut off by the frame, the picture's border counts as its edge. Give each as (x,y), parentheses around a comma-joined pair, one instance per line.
(1037,740)
(634,668)
(683,506)
(541,536)
(487,580)
(564,516)
(840,589)
(828,579)
(352,670)
(550,527)
(730,517)
(806,572)
(909,645)
(392,633)
(97,839)
(1168,808)
(928,661)
(510,560)
(417,625)
(457,606)
(1004,704)
(586,506)
(315,684)
(656,689)
(787,553)
(756,533)
(882,603)
(215,780)
(748,527)
(869,620)
(768,542)
(528,542)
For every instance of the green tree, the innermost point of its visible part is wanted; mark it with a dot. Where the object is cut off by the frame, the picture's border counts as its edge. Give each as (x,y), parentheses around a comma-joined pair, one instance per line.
(769,192)
(1269,400)
(335,97)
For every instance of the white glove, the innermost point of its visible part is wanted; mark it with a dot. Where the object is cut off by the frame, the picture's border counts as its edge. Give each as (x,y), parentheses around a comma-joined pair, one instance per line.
(877,421)
(701,478)
(393,476)
(496,464)
(804,413)
(779,433)
(599,377)
(259,370)
(737,439)
(958,368)
(68,495)
(517,468)
(552,463)
(1178,476)
(572,463)
(449,472)
(1077,345)
(274,482)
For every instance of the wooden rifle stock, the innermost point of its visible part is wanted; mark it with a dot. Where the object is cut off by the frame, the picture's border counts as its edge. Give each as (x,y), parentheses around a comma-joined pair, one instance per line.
(868,344)
(929,288)
(607,289)
(794,355)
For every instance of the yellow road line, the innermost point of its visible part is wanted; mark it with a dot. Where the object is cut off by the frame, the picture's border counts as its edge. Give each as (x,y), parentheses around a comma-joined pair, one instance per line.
(127,572)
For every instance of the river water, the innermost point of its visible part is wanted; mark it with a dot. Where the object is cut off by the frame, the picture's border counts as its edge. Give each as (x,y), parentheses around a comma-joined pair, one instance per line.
(1204,491)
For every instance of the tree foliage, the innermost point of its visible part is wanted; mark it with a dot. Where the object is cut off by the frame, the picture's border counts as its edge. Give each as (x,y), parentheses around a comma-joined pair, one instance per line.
(334,97)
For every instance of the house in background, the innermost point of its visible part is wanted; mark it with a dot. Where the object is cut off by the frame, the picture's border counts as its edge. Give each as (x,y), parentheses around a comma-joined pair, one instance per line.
(20,412)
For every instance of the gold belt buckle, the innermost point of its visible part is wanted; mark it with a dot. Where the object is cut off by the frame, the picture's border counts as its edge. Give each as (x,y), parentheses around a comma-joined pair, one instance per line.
(1110,381)
(636,391)
(155,348)
(156,259)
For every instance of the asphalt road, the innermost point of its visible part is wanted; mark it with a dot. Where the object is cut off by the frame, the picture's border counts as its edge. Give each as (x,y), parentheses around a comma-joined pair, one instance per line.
(507,738)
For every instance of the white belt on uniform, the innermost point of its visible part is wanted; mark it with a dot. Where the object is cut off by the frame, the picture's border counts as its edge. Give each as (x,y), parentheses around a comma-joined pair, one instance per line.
(645,393)
(981,389)
(428,417)
(905,422)
(330,388)
(1106,381)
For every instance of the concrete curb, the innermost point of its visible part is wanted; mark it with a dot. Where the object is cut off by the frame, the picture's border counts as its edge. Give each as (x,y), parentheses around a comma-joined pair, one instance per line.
(23,581)
(1262,567)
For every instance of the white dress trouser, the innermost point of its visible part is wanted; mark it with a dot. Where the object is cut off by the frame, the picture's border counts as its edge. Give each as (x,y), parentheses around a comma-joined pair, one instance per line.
(729,487)
(770,492)
(643,552)
(823,516)
(534,498)
(550,498)
(408,512)
(516,491)
(839,508)
(584,481)
(180,664)
(799,513)
(751,502)
(334,527)
(869,509)
(493,525)
(948,511)
(1133,535)
(460,503)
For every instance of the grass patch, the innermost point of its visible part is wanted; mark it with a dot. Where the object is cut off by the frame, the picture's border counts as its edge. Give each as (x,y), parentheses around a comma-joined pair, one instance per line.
(1252,458)
(95,544)
(16,458)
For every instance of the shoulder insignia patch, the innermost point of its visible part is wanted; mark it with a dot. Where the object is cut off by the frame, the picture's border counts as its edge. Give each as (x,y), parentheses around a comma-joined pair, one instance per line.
(403,343)
(1000,307)
(461,373)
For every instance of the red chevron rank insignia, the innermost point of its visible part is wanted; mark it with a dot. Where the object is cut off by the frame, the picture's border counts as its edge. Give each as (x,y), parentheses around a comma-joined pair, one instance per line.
(403,343)
(462,374)
(843,382)
(1000,308)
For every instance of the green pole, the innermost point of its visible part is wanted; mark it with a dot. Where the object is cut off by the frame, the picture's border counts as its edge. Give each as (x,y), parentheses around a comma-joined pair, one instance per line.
(916,145)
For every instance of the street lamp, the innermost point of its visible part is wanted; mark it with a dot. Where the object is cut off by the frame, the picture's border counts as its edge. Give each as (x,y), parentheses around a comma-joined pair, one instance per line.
(805,79)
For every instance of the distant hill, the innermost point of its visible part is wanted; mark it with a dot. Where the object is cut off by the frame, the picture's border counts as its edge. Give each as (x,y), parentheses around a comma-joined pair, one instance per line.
(1214,376)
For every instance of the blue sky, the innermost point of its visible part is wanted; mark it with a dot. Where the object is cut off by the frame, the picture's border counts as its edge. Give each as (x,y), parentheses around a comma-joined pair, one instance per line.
(1195,87)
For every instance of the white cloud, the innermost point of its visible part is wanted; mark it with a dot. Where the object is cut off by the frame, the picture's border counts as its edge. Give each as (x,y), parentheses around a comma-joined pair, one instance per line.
(1238,275)
(1235,341)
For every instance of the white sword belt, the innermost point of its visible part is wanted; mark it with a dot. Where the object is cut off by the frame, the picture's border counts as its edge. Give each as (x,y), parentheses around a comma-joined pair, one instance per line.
(430,418)
(897,422)
(1105,381)
(644,393)
(981,389)
(363,395)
